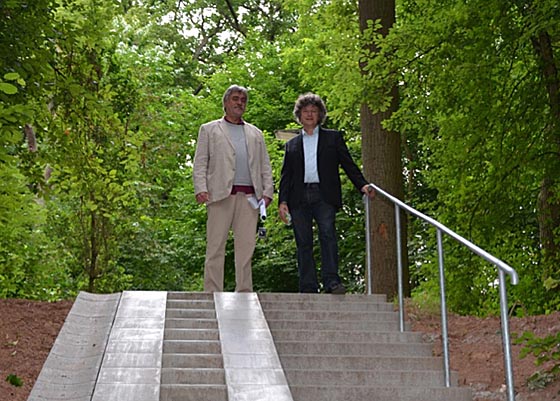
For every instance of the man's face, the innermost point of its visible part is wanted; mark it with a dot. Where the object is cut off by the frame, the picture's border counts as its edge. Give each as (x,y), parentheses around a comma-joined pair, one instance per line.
(235,105)
(310,116)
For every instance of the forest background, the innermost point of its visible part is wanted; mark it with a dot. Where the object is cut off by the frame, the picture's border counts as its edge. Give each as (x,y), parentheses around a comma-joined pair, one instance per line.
(101,101)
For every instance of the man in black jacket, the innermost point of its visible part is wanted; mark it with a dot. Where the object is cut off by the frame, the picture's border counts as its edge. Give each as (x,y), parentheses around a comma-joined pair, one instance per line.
(310,189)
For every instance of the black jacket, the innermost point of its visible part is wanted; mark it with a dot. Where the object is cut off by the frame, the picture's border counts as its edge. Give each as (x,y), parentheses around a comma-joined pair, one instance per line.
(332,152)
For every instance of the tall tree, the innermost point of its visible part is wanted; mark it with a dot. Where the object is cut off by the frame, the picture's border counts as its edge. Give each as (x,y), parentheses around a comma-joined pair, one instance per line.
(94,157)
(381,155)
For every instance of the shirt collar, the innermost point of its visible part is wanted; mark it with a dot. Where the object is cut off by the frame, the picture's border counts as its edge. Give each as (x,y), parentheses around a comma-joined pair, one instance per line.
(315,131)
(239,123)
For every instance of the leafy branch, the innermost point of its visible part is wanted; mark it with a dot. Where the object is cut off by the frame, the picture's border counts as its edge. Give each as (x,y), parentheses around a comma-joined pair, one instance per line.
(546,349)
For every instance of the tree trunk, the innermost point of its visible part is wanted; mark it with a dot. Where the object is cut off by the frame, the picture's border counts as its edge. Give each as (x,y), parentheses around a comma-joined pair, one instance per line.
(381,155)
(94,252)
(548,203)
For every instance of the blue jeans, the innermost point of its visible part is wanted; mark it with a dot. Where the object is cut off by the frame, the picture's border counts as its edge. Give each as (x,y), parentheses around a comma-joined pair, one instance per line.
(324,214)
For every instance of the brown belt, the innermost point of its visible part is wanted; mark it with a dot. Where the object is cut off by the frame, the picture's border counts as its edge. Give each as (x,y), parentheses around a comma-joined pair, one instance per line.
(246,189)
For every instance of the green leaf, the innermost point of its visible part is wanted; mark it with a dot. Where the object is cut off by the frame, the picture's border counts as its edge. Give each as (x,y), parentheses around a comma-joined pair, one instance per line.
(11,76)
(7,88)
(551,283)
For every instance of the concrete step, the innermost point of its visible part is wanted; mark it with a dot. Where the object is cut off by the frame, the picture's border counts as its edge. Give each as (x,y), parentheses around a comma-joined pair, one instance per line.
(175,323)
(342,316)
(384,378)
(193,376)
(190,295)
(347,335)
(359,393)
(193,392)
(329,306)
(320,325)
(282,297)
(191,334)
(343,348)
(190,313)
(192,347)
(192,361)
(190,304)
(354,362)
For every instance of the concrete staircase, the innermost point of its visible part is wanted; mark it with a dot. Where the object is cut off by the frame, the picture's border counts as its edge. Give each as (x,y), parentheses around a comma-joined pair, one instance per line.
(348,347)
(167,346)
(192,364)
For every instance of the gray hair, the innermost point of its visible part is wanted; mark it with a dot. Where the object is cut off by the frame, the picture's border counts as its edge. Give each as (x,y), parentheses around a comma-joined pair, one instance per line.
(310,99)
(232,89)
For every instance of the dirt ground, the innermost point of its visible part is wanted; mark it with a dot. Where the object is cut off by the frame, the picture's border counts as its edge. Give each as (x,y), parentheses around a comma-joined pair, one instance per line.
(29,328)
(475,349)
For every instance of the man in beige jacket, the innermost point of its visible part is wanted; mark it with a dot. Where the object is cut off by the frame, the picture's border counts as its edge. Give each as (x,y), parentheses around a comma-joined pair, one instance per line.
(231,174)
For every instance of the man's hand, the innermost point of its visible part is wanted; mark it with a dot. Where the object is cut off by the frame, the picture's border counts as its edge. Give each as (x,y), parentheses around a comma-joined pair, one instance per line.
(202,197)
(369,191)
(283,211)
(267,201)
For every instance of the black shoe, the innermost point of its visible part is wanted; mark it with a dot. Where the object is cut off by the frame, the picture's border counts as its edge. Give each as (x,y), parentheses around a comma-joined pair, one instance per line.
(336,288)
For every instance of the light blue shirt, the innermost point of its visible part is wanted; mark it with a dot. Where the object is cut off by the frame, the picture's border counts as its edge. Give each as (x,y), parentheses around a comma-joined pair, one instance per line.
(310,143)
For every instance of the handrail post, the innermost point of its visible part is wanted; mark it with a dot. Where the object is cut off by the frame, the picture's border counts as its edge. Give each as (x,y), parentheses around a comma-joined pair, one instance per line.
(399,267)
(505,337)
(368,245)
(444,330)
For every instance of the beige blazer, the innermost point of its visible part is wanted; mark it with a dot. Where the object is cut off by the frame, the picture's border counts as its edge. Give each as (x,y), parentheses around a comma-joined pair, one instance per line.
(214,161)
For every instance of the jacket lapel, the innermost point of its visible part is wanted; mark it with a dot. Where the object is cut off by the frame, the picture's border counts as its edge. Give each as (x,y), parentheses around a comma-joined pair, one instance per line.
(321,143)
(222,124)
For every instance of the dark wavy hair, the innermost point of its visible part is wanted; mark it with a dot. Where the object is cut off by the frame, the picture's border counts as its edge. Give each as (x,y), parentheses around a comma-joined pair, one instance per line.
(310,99)
(230,90)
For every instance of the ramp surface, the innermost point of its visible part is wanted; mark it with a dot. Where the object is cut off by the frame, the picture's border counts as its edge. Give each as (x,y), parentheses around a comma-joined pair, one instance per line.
(131,367)
(71,369)
(253,370)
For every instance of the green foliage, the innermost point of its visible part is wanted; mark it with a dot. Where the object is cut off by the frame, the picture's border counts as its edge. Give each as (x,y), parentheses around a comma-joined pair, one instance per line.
(324,52)
(274,261)
(472,109)
(27,266)
(425,302)
(24,49)
(547,351)
(8,88)
(115,94)
(14,380)
(540,380)
(92,157)
(167,252)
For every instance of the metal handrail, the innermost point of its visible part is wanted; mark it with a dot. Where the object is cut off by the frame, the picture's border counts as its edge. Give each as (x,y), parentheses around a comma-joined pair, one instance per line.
(503,269)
